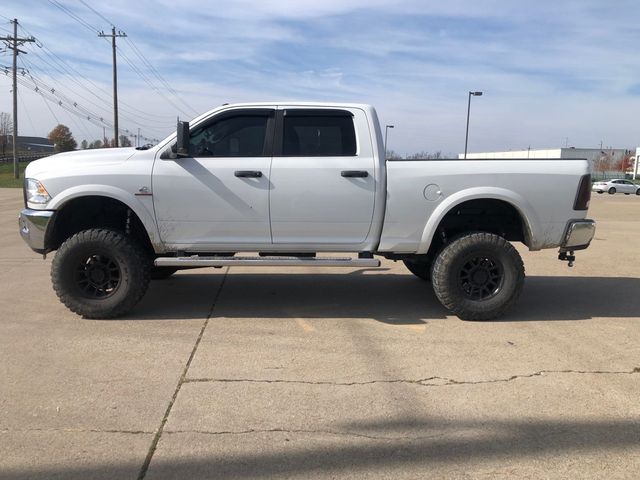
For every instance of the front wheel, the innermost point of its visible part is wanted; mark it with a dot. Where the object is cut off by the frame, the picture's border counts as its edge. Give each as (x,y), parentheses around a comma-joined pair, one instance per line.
(478,276)
(612,190)
(100,273)
(638,191)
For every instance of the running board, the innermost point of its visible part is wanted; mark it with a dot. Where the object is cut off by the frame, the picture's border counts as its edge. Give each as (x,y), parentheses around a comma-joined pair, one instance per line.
(198,261)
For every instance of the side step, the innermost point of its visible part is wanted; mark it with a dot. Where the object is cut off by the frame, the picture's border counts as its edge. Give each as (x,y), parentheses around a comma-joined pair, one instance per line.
(198,261)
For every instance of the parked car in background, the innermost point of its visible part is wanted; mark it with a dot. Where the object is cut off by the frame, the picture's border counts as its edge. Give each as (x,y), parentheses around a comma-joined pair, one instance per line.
(616,186)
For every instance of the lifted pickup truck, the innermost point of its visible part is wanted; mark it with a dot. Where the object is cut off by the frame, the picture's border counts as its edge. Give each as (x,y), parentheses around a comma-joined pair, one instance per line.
(290,181)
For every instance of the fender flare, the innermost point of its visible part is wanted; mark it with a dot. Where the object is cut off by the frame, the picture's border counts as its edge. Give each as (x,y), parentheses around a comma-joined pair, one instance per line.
(142,208)
(522,206)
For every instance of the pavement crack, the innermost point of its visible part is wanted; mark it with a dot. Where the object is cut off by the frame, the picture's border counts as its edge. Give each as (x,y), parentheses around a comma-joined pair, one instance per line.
(434,381)
(181,380)
(74,430)
(304,431)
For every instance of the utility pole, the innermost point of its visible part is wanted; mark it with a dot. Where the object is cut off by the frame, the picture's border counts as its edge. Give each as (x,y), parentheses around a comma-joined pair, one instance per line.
(113,37)
(13,43)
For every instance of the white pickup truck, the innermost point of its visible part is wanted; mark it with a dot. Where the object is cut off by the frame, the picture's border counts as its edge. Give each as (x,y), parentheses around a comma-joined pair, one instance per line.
(290,181)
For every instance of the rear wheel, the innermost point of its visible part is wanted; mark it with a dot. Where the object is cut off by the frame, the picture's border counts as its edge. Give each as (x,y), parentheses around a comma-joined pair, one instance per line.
(638,191)
(478,276)
(421,267)
(100,273)
(612,190)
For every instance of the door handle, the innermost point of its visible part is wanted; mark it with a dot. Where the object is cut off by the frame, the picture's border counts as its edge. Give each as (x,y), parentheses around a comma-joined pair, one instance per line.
(355,173)
(248,173)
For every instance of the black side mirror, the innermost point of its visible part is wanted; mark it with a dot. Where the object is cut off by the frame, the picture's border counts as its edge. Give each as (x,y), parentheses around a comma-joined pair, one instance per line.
(182,142)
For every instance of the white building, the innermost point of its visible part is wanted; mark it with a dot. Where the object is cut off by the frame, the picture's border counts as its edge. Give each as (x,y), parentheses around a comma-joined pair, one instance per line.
(604,163)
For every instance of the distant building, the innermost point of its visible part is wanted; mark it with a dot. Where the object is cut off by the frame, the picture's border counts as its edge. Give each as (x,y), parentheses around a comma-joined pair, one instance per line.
(635,169)
(26,144)
(604,162)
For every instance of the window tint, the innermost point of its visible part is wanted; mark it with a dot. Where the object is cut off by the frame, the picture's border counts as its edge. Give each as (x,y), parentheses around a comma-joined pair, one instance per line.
(318,135)
(237,136)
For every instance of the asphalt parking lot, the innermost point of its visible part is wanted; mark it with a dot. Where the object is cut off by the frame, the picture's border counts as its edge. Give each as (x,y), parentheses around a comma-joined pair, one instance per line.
(329,373)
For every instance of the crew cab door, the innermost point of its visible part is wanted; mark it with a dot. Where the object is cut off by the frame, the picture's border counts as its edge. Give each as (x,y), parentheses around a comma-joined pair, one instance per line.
(323,176)
(220,193)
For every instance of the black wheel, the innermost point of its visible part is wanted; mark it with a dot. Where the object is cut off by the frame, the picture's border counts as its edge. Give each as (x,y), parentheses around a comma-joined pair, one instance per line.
(612,190)
(638,191)
(600,192)
(100,273)
(478,276)
(421,267)
(160,273)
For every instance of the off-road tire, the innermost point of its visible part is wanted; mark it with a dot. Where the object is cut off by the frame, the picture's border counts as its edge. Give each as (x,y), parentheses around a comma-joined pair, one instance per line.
(100,273)
(421,268)
(455,284)
(162,273)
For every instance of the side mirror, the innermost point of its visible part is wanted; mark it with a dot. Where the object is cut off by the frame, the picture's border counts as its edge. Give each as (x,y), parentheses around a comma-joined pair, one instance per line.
(182,141)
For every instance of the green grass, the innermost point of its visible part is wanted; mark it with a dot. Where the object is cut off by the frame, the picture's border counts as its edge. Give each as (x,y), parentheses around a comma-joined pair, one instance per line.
(6,176)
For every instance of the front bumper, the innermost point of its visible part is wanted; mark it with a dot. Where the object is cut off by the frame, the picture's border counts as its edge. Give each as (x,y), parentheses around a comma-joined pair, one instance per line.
(33,226)
(578,235)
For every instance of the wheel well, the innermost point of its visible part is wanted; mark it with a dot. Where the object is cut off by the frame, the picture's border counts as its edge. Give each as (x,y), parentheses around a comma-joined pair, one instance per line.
(482,215)
(96,212)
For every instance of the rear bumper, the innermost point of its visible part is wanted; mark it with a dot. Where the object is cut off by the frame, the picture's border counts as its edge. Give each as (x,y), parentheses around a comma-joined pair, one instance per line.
(33,226)
(578,235)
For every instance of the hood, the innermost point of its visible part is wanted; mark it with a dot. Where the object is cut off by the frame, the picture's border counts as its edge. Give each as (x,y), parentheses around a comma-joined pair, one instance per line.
(78,158)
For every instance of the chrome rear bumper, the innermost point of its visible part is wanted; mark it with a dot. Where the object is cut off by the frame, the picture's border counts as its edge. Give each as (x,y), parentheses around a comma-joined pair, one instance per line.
(578,235)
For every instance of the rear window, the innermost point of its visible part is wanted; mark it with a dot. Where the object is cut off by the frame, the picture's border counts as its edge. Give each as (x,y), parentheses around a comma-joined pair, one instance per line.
(323,135)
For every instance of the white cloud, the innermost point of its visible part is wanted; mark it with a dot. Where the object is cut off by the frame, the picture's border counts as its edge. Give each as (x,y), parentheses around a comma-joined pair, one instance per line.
(549,69)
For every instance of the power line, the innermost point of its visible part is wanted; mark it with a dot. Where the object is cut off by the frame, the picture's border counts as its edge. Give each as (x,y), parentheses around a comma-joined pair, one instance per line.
(52,95)
(72,74)
(148,64)
(162,80)
(97,13)
(150,83)
(69,13)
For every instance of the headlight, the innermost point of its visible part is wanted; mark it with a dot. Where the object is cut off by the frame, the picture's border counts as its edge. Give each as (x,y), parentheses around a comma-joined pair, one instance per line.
(36,193)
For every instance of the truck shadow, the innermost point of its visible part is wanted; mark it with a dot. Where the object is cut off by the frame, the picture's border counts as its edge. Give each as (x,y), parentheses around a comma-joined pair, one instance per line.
(387,297)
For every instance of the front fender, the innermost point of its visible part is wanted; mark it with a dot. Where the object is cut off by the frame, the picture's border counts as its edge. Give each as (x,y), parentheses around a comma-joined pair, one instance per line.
(529,217)
(142,206)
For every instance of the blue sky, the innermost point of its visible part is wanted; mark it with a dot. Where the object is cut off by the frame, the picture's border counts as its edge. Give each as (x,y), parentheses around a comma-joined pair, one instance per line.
(550,70)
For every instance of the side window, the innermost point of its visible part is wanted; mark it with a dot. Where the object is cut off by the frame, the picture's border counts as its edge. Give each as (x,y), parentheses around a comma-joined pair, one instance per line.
(323,135)
(233,136)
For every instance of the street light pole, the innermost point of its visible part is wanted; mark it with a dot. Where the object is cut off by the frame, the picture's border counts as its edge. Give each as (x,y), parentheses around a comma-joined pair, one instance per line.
(466,138)
(386,130)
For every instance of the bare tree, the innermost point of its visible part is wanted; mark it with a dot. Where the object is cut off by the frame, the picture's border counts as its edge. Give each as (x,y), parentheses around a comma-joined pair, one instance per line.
(603,163)
(6,130)
(125,141)
(392,155)
(425,155)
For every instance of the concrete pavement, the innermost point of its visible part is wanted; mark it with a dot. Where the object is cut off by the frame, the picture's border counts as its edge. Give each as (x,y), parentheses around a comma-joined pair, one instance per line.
(267,373)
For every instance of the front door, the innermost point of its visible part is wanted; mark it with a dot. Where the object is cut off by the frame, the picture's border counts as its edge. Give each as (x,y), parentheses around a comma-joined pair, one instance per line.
(323,177)
(220,194)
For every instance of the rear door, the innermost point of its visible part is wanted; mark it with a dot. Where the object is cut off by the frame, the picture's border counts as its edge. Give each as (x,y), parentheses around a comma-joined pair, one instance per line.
(323,177)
